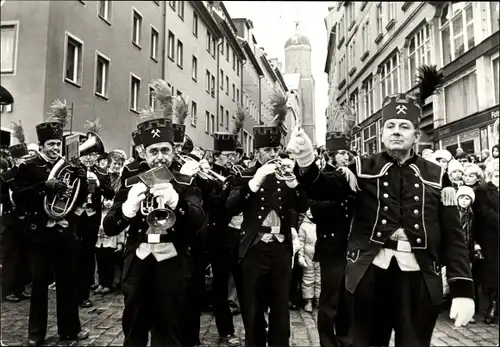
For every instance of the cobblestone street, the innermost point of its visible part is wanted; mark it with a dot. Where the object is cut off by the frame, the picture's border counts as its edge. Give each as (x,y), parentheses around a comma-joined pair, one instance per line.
(103,322)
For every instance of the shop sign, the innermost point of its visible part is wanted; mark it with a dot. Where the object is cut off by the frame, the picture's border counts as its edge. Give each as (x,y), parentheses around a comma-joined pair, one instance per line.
(494,114)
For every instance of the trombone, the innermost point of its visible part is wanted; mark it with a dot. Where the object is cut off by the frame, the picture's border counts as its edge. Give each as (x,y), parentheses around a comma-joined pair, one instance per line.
(206,175)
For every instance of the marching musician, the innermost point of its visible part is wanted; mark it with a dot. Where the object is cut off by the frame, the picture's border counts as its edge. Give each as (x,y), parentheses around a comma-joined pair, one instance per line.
(155,264)
(15,257)
(330,250)
(53,243)
(268,205)
(88,218)
(401,233)
(139,162)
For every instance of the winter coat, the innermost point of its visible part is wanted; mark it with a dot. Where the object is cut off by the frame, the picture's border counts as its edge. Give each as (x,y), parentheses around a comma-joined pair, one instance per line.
(307,239)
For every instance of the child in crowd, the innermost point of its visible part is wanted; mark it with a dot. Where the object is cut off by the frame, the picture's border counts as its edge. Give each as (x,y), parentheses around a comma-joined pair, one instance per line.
(107,250)
(311,280)
(455,172)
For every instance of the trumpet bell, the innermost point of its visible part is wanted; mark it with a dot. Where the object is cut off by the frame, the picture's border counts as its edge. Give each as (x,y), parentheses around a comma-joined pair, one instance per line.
(161,219)
(93,144)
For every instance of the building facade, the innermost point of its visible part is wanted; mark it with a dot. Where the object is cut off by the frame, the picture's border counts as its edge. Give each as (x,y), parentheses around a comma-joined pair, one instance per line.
(100,56)
(96,55)
(378,48)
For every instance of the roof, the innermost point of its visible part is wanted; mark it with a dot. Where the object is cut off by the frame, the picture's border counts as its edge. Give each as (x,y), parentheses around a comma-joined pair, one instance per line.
(251,56)
(292,80)
(268,67)
(296,40)
(280,79)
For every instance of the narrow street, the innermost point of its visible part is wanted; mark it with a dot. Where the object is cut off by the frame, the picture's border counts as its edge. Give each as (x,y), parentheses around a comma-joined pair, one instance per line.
(104,323)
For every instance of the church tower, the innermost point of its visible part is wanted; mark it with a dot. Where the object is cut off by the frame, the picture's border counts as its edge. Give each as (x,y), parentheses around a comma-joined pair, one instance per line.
(298,62)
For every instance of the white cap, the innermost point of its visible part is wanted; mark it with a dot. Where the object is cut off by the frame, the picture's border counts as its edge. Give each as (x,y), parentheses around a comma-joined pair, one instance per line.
(466,190)
(454,165)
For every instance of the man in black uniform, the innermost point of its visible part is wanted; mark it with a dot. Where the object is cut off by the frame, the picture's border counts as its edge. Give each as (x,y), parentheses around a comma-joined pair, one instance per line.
(268,204)
(16,271)
(330,252)
(132,168)
(155,263)
(53,243)
(401,233)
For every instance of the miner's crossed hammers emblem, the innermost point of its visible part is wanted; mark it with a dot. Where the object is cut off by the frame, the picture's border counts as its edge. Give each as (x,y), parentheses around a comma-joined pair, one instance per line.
(401,109)
(155,133)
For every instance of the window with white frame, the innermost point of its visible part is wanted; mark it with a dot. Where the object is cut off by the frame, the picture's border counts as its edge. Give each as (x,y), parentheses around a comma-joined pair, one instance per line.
(365,37)
(380,18)
(461,97)
(496,89)
(180,11)
(227,51)
(137,28)
(171,45)
(104,7)
(234,61)
(221,79)
(356,144)
(370,139)
(194,68)
(419,52)
(153,46)
(457,30)
(354,103)
(227,119)
(341,72)
(207,81)
(234,92)
(207,122)
(389,76)
(212,86)
(74,56)
(102,75)
(391,11)
(212,124)
(221,118)
(135,86)
(151,98)
(350,12)
(368,99)
(194,113)
(214,46)
(237,95)
(237,67)
(494,15)
(209,41)
(227,85)
(172,4)
(352,54)
(8,42)
(180,54)
(195,24)
(341,29)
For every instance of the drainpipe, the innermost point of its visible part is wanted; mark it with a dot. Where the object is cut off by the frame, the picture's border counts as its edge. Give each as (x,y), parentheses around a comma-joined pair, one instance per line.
(163,42)
(260,99)
(243,63)
(218,83)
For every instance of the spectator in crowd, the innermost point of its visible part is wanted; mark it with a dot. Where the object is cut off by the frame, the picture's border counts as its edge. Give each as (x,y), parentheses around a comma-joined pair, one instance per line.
(473,176)
(455,172)
(485,154)
(442,157)
(494,152)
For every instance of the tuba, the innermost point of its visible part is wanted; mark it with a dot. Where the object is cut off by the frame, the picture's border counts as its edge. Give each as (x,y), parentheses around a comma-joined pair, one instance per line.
(158,216)
(58,205)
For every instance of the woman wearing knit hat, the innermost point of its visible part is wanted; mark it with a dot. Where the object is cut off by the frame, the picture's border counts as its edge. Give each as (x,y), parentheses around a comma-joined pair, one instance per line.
(473,176)
(486,230)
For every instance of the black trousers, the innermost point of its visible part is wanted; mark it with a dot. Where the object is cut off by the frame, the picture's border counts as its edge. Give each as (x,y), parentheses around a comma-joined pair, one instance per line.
(106,263)
(333,312)
(391,299)
(53,252)
(265,279)
(153,302)
(88,228)
(16,269)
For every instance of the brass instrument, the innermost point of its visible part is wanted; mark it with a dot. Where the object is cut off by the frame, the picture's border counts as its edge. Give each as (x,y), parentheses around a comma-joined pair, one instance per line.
(158,216)
(58,205)
(206,175)
(281,171)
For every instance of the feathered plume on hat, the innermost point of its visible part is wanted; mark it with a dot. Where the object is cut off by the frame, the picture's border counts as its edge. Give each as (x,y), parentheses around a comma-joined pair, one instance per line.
(147,113)
(239,120)
(60,112)
(93,126)
(163,93)
(18,132)
(429,81)
(279,107)
(181,109)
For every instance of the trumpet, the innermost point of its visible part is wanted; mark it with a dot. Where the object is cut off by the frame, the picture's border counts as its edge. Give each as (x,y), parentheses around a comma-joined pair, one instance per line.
(206,175)
(282,172)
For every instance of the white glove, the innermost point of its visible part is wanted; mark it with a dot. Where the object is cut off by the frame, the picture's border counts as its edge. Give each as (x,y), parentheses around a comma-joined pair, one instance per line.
(292,183)
(462,311)
(301,147)
(190,168)
(260,176)
(167,191)
(302,262)
(204,165)
(93,177)
(295,241)
(135,196)
(477,247)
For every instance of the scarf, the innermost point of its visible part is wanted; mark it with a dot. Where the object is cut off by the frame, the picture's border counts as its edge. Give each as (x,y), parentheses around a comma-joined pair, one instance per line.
(466,223)
(115,181)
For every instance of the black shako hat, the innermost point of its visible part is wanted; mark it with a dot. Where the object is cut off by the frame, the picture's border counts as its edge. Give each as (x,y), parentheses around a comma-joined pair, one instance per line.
(136,138)
(19,150)
(401,106)
(156,131)
(225,141)
(49,131)
(266,136)
(336,141)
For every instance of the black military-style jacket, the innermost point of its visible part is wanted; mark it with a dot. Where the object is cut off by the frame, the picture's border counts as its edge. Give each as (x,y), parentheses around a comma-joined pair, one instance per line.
(333,220)
(10,213)
(274,195)
(131,169)
(29,190)
(393,196)
(189,217)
